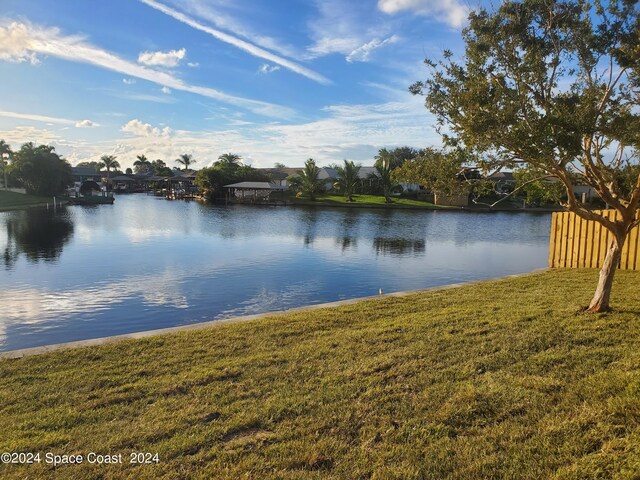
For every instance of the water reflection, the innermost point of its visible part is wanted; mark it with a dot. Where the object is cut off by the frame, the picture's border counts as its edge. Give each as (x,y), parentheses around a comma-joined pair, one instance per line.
(347,243)
(147,263)
(37,233)
(398,246)
(309,224)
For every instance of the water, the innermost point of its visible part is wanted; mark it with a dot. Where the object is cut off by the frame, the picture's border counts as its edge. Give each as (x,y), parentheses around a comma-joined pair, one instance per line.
(147,263)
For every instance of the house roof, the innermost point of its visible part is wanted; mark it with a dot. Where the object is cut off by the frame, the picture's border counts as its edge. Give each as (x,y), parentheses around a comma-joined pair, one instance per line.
(187,174)
(122,178)
(255,186)
(327,172)
(501,176)
(154,178)
(365,172)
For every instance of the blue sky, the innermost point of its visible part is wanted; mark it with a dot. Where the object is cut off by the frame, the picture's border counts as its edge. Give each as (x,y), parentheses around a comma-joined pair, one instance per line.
(273,81)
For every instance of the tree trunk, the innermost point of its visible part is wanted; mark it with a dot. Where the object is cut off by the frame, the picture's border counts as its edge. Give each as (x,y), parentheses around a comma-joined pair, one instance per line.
(600,300)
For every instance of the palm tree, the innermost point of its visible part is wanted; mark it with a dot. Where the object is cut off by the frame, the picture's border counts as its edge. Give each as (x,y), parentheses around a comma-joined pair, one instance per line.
(384,177)
(186,159)
(307,181)
(348,179)
(5,149)
(230,159)
(395,157)
(109,162)
(142,165)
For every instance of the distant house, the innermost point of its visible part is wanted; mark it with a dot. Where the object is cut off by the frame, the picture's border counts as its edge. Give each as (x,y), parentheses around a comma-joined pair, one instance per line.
(123,183)
(83,174)
(183,182)
(279,176)
(504,181)
(582,191)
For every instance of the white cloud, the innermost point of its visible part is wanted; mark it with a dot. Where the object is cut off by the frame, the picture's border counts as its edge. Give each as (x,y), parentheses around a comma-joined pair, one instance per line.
(34,117)
(166,90)
(163,59)
(449,11)
(193,64)
(345,131)
(344,28)
(38,118)
(142,97)
(239,43)
(86,124)
(220,13)
(363,52)
(23,134)
(140,129)
(128,81)
(265,68)
(355,131)
(14,44)
(29,40)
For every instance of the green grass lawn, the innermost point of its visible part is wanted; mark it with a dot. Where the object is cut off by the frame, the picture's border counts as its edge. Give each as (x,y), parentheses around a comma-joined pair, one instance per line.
(503,380)
(363,200)
(12,200)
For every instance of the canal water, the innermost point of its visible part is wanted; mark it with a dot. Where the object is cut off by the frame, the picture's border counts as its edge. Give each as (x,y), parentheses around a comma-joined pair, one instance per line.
(146,263)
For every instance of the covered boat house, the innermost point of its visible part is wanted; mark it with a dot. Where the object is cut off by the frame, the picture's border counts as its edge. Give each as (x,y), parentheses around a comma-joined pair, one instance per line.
(252,192)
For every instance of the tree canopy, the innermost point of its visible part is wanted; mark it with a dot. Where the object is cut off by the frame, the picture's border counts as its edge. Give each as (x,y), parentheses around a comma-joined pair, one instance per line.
(109,162)
(395,157)
(211,180)
(142,164)
(40,170)
(186,159)
(348,179)
(435,170)
(229,159)
(552,86)
(307,181)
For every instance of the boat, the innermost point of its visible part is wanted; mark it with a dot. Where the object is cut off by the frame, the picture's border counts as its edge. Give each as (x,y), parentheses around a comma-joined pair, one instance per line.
(91,200)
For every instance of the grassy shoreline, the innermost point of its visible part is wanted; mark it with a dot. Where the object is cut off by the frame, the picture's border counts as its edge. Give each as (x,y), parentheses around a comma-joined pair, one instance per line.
(503,379)
(17,201)
(398,203)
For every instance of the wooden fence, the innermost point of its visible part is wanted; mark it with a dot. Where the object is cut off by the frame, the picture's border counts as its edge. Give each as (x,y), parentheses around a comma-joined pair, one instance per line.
(579,243)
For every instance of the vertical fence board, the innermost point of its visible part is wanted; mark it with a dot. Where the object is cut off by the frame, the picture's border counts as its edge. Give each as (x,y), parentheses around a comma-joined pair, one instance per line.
(573,221)
(633,249)
(552,238)
(559,234)
(578,243)
(575,257)
(624,256)
(564,241)
(597,238)
(590,240)
(604,240)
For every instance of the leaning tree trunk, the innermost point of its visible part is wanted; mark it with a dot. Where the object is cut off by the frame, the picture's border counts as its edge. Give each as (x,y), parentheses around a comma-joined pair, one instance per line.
(600,300)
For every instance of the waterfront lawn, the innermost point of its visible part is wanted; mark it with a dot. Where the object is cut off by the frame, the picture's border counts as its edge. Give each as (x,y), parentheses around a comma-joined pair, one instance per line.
(12,200)
(505,379)
(362,200)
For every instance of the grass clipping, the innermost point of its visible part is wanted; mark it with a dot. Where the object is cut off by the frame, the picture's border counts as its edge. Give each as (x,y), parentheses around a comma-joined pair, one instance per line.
(497,380)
